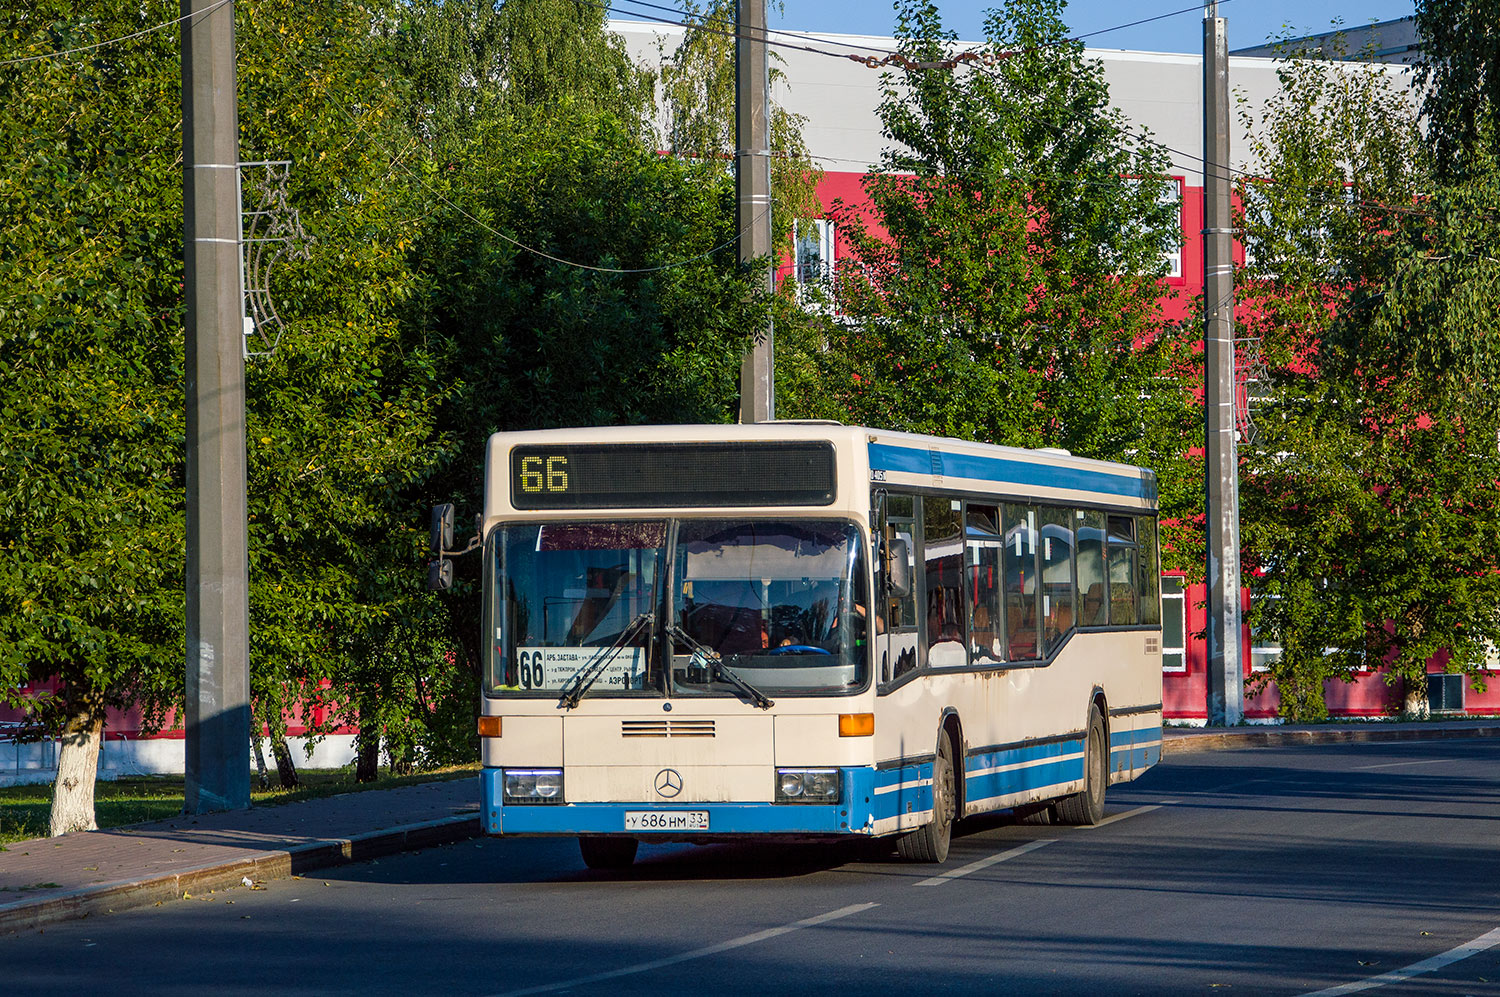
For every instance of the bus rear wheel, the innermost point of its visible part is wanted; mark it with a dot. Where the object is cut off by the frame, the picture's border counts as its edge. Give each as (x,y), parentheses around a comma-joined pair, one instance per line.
(929,843)
(607,853)
(1087,805)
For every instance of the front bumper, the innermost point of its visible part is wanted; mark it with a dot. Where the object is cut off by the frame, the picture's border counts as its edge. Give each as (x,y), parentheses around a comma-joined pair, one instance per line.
(852,815)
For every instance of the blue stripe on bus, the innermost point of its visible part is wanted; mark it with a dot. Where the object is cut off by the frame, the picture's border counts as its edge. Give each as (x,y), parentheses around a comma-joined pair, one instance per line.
(1134,750)
(1042,766)
(902,791)
(885,457)
(851,815)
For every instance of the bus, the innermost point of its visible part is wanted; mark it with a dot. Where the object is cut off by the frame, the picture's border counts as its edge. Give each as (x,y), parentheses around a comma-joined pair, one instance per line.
(809,631)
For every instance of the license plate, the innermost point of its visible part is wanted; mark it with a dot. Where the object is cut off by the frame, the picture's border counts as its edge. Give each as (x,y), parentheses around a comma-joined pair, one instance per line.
(666,820)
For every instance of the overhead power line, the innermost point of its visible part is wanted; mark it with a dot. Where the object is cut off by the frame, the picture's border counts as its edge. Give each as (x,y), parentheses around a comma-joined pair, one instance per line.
(114,41)
(889,58)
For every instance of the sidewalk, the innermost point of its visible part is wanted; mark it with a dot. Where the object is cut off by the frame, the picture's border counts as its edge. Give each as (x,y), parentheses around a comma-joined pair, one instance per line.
(52,879)
(1181,739)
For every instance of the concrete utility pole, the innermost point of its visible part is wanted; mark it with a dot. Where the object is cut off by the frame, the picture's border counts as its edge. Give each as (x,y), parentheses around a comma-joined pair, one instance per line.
(752,187)
(1226,695)
(217,751)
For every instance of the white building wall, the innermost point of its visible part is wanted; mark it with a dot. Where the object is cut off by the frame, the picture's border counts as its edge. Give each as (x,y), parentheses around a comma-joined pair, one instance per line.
(34,763)
(1158,92)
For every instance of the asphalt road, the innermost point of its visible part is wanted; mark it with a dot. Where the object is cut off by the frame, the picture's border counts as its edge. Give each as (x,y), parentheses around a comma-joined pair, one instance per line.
(1264,871)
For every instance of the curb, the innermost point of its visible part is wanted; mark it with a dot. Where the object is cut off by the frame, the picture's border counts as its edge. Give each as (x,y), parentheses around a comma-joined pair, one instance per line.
(104,898)
(1230,740)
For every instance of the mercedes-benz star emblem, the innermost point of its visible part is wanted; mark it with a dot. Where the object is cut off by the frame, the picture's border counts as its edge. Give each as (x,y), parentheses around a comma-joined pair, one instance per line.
(668,783)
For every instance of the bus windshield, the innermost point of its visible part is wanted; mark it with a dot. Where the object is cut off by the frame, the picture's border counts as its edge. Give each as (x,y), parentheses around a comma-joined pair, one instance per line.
(780,603)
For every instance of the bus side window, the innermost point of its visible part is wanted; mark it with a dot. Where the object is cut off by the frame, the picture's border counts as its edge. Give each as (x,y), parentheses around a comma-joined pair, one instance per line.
(1093,584)
(984,540)
(1149,565)
(1124,606)
(943,569)
(1057,577)
(1022,591)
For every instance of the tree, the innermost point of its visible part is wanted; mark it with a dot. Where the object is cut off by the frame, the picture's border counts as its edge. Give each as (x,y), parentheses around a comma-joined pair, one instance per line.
(1459,74)
(698,94)
(91,404)
(1372,520)
(473,60)
(338,416)
(1005,285)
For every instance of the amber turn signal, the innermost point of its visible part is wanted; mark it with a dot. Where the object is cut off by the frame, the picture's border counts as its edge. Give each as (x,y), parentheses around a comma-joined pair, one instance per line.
(489,726)
(856,724)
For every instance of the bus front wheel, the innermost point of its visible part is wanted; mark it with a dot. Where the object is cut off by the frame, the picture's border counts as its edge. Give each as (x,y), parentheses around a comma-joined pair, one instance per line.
(1087,805)
(607,853)
(929,843)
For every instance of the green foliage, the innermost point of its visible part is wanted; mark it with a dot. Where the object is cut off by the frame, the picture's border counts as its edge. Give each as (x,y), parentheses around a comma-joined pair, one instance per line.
(1371,516)
(1013,296)
(91,402)
(698,94)
(473,60)
(341,417)
(1459,72)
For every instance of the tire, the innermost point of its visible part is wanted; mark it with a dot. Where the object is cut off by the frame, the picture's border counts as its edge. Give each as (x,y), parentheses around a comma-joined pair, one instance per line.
(1087,805)
(929,843)
(1041,814)
(607,853)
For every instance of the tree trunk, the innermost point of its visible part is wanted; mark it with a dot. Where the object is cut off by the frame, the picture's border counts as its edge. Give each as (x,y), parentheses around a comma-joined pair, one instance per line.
(260,761)
(77,768)
(367,741)
(1416,707)
(367,757)
(403,760)
(286,769)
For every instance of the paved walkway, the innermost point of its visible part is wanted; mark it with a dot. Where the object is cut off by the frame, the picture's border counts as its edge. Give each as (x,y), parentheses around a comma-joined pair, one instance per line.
(1179,739)
(50,879)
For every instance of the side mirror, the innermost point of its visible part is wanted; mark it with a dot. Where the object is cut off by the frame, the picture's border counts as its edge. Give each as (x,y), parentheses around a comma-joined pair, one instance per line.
(898,568)
(440,575)
(442,528)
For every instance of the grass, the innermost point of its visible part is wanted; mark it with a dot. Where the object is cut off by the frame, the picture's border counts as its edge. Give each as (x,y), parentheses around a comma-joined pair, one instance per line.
(24,810)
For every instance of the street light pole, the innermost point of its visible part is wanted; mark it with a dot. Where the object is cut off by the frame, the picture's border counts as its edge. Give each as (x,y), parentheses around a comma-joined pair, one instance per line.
(752,187)
(217,747)
(1221,461)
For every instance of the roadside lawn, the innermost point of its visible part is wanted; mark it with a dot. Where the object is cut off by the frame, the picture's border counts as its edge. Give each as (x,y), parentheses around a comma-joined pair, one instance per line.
(24,809)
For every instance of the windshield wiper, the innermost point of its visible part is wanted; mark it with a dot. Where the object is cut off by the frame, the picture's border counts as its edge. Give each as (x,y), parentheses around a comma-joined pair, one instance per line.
(717,668)
(595,668)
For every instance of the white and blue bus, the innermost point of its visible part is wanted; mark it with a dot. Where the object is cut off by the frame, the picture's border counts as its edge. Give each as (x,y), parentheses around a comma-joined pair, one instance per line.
(809,631)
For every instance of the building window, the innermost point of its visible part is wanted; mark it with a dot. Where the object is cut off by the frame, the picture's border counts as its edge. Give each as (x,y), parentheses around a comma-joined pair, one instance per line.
(1263,653)
(814,241)
(1173,196)
(1173,624)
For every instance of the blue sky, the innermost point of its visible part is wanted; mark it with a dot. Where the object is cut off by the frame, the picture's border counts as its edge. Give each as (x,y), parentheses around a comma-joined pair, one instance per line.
(1251,22)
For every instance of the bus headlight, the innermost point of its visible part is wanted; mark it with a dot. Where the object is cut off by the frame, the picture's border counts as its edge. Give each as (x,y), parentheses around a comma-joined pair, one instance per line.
(807,785)
(533,785)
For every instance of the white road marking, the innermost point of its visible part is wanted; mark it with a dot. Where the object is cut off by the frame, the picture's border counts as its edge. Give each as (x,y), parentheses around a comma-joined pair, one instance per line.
(733,943)
(1124,816)
(984,863)
(1393,765)
(1486,941)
